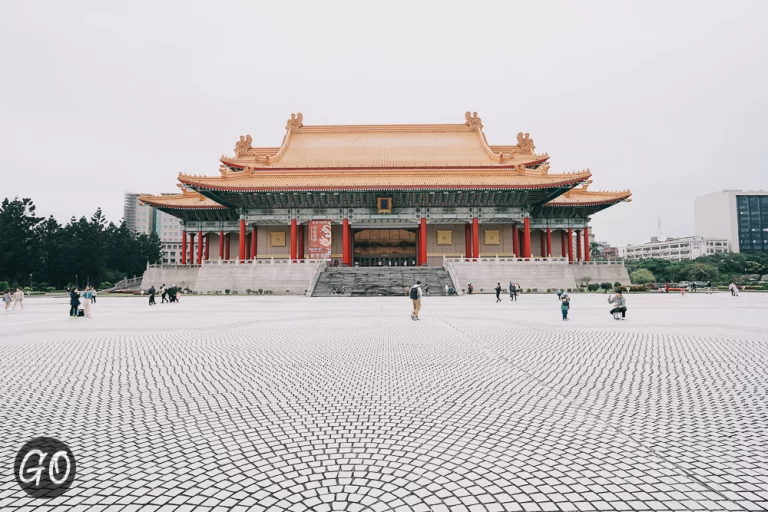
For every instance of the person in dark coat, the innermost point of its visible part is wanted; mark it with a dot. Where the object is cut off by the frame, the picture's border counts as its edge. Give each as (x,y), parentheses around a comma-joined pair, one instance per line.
(152,293)
(74,302)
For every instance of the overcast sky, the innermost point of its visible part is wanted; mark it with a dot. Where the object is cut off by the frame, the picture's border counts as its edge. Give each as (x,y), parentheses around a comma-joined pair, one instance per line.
(665,98)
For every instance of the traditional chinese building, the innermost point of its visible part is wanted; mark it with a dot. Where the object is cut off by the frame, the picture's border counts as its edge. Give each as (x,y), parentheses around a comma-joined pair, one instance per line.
(392,195)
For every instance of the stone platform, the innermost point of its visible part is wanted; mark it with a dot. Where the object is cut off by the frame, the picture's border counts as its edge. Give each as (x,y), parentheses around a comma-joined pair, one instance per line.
(296,403)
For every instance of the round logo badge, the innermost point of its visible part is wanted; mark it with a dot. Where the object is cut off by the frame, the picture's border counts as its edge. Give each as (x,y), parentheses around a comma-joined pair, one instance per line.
(45,467)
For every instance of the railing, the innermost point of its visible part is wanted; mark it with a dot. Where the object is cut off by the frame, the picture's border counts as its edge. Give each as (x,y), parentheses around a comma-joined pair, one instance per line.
(448,266)
(260,261)
(535,259)
(316,277)
(133,282)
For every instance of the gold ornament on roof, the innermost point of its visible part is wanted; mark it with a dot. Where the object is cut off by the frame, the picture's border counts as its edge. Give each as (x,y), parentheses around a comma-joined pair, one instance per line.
(525,143)
(473,121)
(296,121)
(243,145)
(544,170)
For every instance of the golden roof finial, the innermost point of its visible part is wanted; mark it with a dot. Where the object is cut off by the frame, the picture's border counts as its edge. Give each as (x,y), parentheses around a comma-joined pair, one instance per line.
(295,122)
(474,122)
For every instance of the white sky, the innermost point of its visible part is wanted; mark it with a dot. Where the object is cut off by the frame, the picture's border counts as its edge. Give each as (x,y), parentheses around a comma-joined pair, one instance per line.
(666,98)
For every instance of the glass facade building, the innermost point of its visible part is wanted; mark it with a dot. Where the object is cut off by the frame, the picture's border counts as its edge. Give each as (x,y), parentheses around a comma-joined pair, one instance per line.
(752,220)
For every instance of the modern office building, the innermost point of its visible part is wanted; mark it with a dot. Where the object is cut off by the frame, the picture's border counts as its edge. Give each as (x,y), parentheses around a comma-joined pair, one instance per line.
(737,215)
(143,218)
(676,249)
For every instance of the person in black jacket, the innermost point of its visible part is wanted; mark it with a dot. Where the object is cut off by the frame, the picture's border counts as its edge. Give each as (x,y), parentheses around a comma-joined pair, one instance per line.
(74,302)
(498,292)
(152,293)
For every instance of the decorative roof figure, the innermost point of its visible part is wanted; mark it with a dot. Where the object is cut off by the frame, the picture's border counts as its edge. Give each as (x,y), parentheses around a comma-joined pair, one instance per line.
(525,143)
(296,121)
(473,121)
(243,145)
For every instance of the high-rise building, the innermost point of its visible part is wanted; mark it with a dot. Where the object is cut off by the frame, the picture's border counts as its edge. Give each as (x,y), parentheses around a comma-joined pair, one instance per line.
(143,218)
(737,215)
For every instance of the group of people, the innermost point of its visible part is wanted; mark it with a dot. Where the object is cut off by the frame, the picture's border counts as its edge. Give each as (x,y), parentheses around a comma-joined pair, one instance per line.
(17,298)
(514,289)
(89,298)
(169,294)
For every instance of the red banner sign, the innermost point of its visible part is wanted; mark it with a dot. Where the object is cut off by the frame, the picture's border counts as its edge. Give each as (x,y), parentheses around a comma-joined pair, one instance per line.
(319,239)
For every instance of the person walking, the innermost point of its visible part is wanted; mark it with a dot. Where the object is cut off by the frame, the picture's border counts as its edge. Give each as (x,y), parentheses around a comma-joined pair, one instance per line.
(152,293)
(415,295)
(693,287)
(498,292)
(18,298)
(426,289)
(74,302)
(163,294)
(709,287)
(470,289)
(734,289)
(682,291)
(88,298)
(7,299)
(511,290)
(93,294)
(621,306)
(565,305)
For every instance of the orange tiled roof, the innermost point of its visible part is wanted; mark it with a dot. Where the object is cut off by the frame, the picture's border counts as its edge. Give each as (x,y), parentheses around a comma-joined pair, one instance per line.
(385,179)
(384,146)
(580,196)
(187,199)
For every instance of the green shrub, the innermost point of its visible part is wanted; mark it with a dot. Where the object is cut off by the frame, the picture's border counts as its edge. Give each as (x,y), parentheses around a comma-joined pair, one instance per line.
(248,291)
(637,288)
(642,276)
(50,289)
(227,291)
(593,287)
(617,284)
(535,290)
(527,290)
(605,286)
(260,291)
(3,286)
(105,284)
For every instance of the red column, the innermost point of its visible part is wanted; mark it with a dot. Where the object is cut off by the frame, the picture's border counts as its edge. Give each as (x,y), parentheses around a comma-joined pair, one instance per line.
(563,244)
(221,245)
(542,244)
(241,249)
(207,245)
(253,242)
(569,243)
(228,239)
(350,247)
(549,242)
(515,240)
(578,245)
(183,247)
(301,241)
(199,247)
(467,241)
(191,249)
(293,239)
(527,237)
(586,243)
(475,237)
(345,244)
(423,242)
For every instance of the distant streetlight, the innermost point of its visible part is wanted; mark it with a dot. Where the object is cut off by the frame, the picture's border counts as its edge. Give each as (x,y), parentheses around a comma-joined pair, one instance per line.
(30,280)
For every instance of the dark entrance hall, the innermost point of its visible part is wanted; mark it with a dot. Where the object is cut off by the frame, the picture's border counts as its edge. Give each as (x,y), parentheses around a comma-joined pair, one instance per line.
(384,247)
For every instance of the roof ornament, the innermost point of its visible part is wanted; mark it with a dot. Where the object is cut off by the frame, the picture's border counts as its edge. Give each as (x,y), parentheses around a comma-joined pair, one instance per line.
(296,121)
(525,143)
(544,169)
(243,145)
(224,170)
(473,121)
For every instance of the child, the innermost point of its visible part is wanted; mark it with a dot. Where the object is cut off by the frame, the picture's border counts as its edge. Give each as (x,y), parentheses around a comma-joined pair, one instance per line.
(564,307)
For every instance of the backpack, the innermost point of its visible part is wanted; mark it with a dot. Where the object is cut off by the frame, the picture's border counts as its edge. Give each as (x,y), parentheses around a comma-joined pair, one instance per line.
(414,292)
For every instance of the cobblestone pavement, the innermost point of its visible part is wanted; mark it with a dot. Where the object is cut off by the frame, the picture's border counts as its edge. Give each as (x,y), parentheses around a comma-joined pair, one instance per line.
(254,403)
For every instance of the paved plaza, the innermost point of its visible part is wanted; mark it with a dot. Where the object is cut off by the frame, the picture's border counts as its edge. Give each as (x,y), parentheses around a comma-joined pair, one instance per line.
(293,403)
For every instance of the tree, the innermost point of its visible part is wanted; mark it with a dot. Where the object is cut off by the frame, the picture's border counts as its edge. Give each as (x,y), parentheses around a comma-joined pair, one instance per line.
(17,232)
(642,276)
(605,286)
(595,249)
(702,272)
